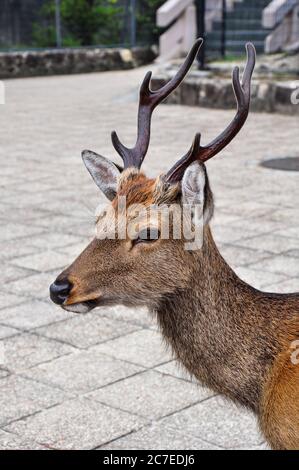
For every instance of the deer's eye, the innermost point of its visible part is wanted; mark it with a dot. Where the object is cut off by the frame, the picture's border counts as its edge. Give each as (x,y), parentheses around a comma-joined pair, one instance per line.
(147,235)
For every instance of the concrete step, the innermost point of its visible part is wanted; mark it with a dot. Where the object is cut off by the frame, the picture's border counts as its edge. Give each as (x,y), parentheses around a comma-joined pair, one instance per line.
(259,4)
(243,23)
(208,90)
(240,35)
(244,14)
(232,25)
(233,47)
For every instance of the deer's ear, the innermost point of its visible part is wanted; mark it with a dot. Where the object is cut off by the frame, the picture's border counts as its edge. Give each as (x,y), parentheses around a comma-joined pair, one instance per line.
(104,173)
(196,192)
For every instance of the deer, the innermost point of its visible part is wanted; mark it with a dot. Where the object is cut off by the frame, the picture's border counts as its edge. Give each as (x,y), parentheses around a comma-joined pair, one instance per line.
(231,337)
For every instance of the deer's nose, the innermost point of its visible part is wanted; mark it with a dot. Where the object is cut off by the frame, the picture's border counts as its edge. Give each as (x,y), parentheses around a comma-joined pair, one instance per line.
(60,290)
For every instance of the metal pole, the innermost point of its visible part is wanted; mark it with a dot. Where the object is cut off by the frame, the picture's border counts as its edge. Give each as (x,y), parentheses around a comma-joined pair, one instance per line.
(124,30)
(58,24)
(133,23)
(201,31)
(223,29)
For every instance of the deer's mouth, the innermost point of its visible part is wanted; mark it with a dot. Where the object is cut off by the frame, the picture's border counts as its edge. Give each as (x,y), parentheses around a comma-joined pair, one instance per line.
(81,307)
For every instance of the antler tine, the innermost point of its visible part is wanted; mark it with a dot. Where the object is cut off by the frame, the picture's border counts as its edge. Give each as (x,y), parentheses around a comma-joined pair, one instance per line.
(148,100)
(204,153)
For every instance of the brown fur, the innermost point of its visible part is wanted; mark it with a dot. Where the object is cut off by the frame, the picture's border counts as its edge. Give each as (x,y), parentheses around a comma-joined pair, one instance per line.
(280,402)
(136,187)
(230,336)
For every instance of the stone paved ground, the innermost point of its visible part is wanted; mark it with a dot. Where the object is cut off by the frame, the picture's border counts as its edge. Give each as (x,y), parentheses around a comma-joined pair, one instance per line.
(104,380)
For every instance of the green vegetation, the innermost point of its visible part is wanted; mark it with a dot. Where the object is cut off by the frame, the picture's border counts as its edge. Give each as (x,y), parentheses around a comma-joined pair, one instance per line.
(147,31)
(92,22)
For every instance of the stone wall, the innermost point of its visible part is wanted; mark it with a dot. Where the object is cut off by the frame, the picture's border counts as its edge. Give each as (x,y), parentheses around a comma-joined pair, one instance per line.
(68,61)
(200,90)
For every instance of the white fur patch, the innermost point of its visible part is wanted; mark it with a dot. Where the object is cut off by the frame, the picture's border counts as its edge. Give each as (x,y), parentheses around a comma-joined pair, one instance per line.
(77,308)
(193,186)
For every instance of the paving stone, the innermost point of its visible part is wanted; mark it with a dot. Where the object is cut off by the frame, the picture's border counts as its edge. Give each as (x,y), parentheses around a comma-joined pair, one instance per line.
(82,371)
(236,256)
(250,209)
(284,287)
(142,392)
(84,208)
(12,230)
(68,225)
(229,234)
(59,221)
(143,347)
(54,240)
(136,316)
(259,278)
(219,422)
(6,331)
(45,261)
(14,248)
(175,369)
(10,273)
(270,242)
(31,200)
(42,184)
(27,350)
(21,397)
(16,214)
(260,226)
(82,229)
(223,218)
(73,251)
(86,330)
(289,232)
(75,425)
(7,300)
(287,216)
(159,437)
(3,372)
(32,314)
(34,287)
(292,253)
(54,212)
(279,264)
(263,446)
(9,441)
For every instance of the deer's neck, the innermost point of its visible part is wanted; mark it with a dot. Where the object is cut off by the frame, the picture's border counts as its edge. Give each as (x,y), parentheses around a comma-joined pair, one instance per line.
(220,328)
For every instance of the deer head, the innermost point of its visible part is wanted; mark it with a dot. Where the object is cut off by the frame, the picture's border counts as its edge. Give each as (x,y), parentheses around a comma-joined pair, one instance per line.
(140,269)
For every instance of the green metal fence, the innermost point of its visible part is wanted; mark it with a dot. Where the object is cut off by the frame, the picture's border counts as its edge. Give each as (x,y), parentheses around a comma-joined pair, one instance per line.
(33,24)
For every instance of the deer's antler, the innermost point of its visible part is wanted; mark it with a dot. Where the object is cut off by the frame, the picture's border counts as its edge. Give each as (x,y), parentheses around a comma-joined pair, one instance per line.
(204,153)
(148,100)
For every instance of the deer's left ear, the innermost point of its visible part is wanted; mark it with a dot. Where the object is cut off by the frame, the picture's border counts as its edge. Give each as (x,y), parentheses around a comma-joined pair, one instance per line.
(196,192)
(104,173)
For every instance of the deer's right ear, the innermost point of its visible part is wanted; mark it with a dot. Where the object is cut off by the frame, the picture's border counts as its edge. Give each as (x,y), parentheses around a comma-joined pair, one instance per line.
(104,173)
(196,192)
